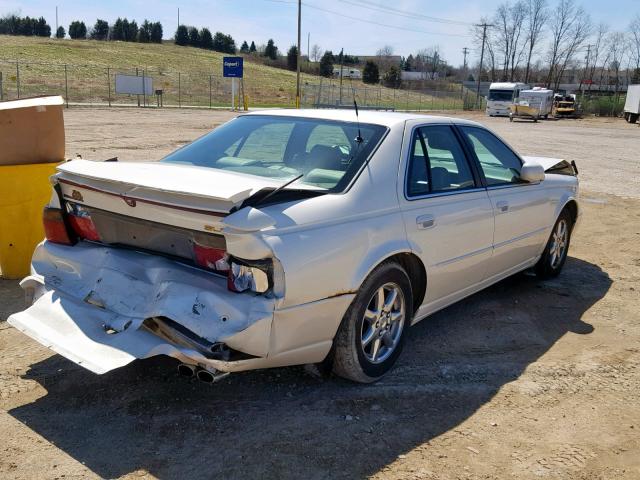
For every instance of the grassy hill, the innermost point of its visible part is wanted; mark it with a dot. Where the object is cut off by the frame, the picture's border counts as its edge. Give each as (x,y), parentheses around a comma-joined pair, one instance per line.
(188,76)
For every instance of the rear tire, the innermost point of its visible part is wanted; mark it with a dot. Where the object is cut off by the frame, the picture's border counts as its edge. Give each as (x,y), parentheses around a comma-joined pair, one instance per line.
(374,328)
(633,117)
(555,252)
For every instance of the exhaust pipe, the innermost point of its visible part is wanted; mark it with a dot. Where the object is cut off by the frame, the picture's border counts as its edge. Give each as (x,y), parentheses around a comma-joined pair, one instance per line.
(210,377)
(186,370)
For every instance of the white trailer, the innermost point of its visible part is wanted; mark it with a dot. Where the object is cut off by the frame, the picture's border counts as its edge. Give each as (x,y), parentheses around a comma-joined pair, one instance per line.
(538,100)
(347,72)
(501,96)
(632,105)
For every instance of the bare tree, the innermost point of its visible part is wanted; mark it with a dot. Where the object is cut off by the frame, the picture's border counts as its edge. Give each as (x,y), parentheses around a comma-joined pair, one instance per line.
(384,55)
(570,27)
(617,50)
(316,52)
(509,21)
(594,54)
(634,30)
(537,16)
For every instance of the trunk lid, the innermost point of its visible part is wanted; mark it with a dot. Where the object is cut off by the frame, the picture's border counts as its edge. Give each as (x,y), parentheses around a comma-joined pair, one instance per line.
(169,209)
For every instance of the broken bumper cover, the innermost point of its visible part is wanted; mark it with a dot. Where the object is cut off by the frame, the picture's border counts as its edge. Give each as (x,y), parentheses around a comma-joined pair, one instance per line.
(91,302)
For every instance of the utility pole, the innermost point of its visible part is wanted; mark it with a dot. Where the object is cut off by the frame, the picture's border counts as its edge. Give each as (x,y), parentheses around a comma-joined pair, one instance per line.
(56,19)
(299,55)
(586,67)
(178,16)
(308,43)
(341,71)
(484,38)
(465,51)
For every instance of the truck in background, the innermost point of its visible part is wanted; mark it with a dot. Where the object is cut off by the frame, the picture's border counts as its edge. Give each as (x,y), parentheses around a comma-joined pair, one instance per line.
(632,104)
(501,96)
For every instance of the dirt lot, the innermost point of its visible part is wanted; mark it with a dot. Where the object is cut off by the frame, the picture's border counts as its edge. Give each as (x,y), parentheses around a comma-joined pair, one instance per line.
(524,380)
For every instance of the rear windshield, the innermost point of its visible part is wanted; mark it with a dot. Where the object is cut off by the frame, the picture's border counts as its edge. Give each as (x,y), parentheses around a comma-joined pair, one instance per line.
(500,95)
(326,152)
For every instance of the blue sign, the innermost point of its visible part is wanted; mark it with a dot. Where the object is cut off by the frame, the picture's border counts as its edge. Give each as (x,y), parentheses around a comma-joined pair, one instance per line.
(232,67)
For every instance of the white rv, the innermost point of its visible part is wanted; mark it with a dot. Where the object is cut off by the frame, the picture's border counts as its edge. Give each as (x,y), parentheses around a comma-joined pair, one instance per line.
(347,72)
(501,96)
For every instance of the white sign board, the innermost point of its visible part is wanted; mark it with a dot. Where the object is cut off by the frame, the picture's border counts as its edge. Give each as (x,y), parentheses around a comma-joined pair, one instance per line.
(132,85)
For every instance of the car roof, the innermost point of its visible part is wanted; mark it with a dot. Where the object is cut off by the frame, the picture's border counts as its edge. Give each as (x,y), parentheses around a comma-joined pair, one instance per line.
(388,119)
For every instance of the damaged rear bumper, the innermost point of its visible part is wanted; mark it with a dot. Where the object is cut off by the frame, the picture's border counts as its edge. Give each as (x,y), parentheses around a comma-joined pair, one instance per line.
(92,304)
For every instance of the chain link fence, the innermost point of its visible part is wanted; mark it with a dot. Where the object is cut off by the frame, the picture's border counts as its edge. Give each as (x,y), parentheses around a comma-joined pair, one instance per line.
(95,85)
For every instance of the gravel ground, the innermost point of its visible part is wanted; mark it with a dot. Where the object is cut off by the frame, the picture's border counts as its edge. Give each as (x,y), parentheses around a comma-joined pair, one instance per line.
(524,380)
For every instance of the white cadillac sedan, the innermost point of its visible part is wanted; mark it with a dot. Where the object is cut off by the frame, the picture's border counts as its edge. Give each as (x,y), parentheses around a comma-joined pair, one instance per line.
(289,237)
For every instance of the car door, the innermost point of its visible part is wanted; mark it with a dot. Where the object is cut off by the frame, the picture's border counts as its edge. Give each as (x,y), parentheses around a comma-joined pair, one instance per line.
(522,210)
(447,213)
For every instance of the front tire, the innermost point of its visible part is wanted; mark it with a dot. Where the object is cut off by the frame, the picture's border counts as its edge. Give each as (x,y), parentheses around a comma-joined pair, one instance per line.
(555,252)
(374,328)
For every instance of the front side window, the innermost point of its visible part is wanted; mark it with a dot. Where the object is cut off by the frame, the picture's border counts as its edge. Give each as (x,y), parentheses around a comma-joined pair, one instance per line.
(437,163)
(499,164)
(325,152)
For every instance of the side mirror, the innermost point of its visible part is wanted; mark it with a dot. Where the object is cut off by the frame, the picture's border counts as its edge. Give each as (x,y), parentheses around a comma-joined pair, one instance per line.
(532,172)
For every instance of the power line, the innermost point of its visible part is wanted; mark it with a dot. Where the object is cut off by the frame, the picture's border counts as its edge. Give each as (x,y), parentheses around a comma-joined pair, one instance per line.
(358,19)
(403,13)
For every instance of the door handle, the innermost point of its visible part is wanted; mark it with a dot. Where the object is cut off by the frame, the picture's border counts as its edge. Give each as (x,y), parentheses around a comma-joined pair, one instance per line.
(425,221)
(502,206)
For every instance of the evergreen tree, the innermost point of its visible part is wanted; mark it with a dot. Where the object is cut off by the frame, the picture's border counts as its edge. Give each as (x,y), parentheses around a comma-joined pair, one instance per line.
(271,51)
(252,48)
(117,30)
(131,31)
(156,32)
(144,33)
(408,64)
(100,30)
(292,58)
(392,77)
(77,30)
(326,64)
(370,73)
(182,35)
(60,33)
(244,48)
(194,37)
(42,28)
(224,43)
(206,40)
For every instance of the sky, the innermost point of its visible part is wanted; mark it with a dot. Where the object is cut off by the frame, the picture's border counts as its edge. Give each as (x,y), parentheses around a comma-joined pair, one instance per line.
(361,27)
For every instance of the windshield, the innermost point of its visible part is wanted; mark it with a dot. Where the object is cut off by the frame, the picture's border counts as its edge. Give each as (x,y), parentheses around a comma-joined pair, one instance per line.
(325,152)
(501,95)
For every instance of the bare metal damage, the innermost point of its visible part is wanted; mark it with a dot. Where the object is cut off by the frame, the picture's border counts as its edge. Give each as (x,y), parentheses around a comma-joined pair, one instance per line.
(91,302)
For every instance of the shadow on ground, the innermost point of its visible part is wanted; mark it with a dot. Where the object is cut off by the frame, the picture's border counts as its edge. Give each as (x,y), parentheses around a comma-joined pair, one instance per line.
(284,423)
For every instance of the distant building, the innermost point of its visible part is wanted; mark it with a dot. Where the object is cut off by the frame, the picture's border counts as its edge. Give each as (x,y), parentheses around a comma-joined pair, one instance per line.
(375,58)
(409,76)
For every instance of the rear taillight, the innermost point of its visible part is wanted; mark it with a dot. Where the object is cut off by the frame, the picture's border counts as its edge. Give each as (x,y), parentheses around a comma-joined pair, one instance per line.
(252,275)
(81,222)
(55,229)
(211,258)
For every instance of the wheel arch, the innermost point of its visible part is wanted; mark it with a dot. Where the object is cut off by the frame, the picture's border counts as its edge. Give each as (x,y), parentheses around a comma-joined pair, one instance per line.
(572,206)
(414,267)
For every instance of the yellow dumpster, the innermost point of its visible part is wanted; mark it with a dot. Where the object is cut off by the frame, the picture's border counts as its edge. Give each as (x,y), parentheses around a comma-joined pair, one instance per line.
(31,145)
(24,191)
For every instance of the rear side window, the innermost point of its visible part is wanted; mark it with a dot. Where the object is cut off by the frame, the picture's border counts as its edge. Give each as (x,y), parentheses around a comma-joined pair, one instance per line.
(437,163)
(499,164)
